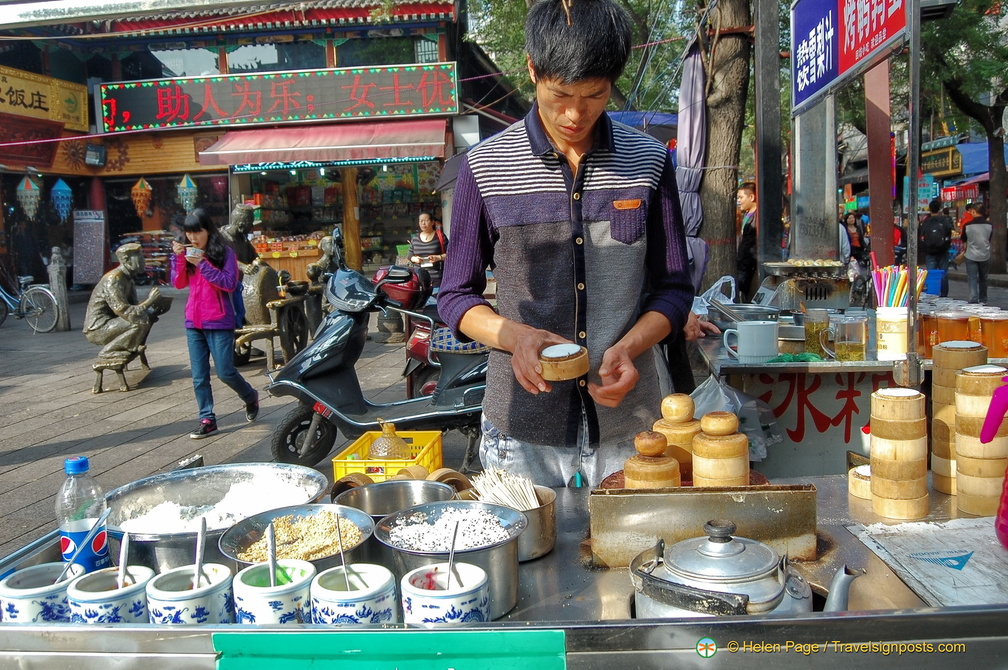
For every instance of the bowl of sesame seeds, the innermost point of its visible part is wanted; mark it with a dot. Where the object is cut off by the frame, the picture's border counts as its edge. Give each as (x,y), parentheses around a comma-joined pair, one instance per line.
(487,536)
(311,533)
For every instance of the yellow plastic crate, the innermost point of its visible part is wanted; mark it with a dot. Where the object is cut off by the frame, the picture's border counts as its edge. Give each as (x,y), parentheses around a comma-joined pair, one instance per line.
(425,446)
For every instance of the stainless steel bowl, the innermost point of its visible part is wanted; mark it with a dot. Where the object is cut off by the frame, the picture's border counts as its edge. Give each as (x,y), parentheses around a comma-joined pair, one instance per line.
(500,560)
(383,498)
(243,534)
(200,489)
(540,536)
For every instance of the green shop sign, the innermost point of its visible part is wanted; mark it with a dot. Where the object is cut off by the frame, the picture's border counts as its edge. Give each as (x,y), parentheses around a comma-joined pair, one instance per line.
(430,89)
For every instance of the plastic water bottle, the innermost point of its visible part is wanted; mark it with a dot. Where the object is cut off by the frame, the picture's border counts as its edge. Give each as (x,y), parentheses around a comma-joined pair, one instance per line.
(79,504)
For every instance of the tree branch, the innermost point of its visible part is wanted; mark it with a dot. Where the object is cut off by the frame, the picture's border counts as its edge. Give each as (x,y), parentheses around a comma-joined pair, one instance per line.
(980,113)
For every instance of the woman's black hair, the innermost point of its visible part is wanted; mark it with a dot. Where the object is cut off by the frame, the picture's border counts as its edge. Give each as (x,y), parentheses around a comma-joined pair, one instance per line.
(216,249)
(574,40)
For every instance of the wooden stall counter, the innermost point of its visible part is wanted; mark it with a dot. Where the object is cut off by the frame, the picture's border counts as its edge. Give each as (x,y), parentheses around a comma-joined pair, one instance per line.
(295,262)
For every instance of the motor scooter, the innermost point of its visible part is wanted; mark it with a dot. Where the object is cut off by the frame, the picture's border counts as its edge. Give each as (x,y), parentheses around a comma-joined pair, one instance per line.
(423,368)
(323,378)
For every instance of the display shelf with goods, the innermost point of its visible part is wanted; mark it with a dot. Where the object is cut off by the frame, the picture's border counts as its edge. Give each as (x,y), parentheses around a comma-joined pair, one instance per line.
(156,246)
(305,202)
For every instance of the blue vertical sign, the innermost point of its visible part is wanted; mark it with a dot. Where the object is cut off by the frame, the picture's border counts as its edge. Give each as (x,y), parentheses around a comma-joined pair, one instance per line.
(815,47)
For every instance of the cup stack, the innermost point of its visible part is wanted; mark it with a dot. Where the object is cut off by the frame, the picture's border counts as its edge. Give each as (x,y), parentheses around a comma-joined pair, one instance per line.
(679,428)
(650,468)
(949,358)
(980,467)
(720,452)
(899,454)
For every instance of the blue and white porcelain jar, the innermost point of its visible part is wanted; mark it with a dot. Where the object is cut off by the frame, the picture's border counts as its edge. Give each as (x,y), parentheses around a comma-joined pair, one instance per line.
(172,599)
(370,599)
(289,602)
(429,597)
(96,598)
(31,595)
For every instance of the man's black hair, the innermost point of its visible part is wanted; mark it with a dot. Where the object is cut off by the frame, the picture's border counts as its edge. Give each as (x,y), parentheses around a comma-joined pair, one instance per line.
(935,205)
(591,42)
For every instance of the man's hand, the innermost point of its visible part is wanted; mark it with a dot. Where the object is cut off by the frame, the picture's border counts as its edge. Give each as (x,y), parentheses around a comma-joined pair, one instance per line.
(528,344)
(153,296)
(619,376)
(695,327)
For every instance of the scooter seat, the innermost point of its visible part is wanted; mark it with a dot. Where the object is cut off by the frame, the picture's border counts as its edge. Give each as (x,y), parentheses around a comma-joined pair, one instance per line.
(443,341)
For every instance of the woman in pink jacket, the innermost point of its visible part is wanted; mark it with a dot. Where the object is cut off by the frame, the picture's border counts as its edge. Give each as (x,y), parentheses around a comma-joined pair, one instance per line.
(207,265)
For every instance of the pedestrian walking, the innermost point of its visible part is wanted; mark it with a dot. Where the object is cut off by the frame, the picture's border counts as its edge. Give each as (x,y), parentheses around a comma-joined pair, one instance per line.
(207,265)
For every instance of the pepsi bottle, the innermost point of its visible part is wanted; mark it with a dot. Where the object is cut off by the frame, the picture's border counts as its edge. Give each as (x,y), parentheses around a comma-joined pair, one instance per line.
(79,504)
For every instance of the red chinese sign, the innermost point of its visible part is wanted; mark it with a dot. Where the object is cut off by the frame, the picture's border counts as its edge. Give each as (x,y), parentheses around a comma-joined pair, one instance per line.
(867,25)
(279,97)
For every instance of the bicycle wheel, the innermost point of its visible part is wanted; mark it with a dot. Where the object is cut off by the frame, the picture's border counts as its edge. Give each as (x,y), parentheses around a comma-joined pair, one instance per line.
(39,307)
(3,311)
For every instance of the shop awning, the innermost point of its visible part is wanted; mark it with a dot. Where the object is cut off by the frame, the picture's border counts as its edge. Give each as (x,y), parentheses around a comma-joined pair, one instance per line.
(334,142)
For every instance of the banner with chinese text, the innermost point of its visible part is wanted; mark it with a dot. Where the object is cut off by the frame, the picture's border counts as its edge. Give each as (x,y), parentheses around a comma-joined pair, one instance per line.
(832,39)
(280,97)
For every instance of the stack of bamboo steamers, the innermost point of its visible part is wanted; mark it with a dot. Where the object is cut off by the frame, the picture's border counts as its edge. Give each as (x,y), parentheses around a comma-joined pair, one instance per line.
(963,384)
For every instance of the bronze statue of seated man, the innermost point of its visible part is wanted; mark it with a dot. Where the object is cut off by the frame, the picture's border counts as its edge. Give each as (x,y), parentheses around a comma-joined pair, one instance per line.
(116,320)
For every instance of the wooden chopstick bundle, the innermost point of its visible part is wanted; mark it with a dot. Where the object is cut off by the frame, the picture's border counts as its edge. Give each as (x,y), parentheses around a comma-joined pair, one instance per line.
(500,487)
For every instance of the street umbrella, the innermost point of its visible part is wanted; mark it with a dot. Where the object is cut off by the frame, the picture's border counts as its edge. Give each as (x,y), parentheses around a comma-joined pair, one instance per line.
(690,149)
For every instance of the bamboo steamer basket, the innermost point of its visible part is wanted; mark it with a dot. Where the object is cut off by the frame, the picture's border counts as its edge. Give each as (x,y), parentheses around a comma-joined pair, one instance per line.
(957,354)
(859,482)
(679,428)
(899,453)
(944,483)
(979,466)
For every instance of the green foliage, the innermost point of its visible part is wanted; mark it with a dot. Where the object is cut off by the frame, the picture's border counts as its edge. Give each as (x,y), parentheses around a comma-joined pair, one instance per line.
(970,47)
(651,79)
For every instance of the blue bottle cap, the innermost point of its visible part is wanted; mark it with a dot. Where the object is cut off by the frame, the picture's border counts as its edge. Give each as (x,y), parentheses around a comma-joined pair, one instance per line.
(76,465)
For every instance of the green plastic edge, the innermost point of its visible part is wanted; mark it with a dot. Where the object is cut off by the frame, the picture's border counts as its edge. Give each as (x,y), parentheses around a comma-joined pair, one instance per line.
(394,649)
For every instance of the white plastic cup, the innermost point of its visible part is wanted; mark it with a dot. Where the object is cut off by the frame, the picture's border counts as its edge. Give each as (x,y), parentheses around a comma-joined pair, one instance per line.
(257,602)
(30,596)
(370,600)
(172,600)
(95,598)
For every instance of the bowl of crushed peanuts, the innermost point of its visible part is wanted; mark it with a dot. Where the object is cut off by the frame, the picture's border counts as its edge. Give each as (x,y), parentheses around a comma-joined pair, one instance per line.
(312,533)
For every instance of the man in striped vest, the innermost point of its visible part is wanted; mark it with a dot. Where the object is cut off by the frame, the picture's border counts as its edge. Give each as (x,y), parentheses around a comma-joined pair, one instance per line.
(579,219)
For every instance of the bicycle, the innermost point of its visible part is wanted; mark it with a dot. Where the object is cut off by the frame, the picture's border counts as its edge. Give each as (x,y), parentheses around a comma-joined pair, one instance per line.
(35,303)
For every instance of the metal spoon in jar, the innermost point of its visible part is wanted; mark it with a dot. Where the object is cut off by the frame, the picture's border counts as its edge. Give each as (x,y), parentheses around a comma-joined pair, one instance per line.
(451,562)
(85,542)
(271,553)
(342,556)
(200,549)
(123,560)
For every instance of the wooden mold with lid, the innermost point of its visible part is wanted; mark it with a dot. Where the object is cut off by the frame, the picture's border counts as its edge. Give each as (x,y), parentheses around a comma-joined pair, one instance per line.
(650,468)
(720,452)
(679,428)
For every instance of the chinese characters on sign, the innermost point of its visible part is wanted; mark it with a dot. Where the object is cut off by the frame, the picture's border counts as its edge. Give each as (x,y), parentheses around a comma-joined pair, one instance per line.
(33,96)
(308,95)
(832,38)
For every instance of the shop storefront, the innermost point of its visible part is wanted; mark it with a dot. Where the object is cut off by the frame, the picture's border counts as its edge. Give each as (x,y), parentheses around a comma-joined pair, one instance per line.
(358,148)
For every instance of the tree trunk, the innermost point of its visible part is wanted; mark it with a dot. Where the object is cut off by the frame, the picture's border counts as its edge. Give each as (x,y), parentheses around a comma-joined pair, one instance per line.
(726,58)
(997,213)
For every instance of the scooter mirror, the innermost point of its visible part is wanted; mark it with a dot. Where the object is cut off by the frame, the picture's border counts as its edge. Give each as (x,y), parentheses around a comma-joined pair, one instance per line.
(337,247)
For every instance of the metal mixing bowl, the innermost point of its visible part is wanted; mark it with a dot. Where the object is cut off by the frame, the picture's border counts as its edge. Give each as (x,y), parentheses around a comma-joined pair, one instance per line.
(383,498)
(243,534)
(500,560)
(198,490)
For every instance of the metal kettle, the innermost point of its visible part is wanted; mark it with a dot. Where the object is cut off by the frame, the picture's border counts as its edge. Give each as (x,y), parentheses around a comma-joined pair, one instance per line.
(721,575)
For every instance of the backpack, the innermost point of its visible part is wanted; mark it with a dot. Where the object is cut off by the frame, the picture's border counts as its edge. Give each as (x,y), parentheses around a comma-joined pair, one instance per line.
(936,234)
